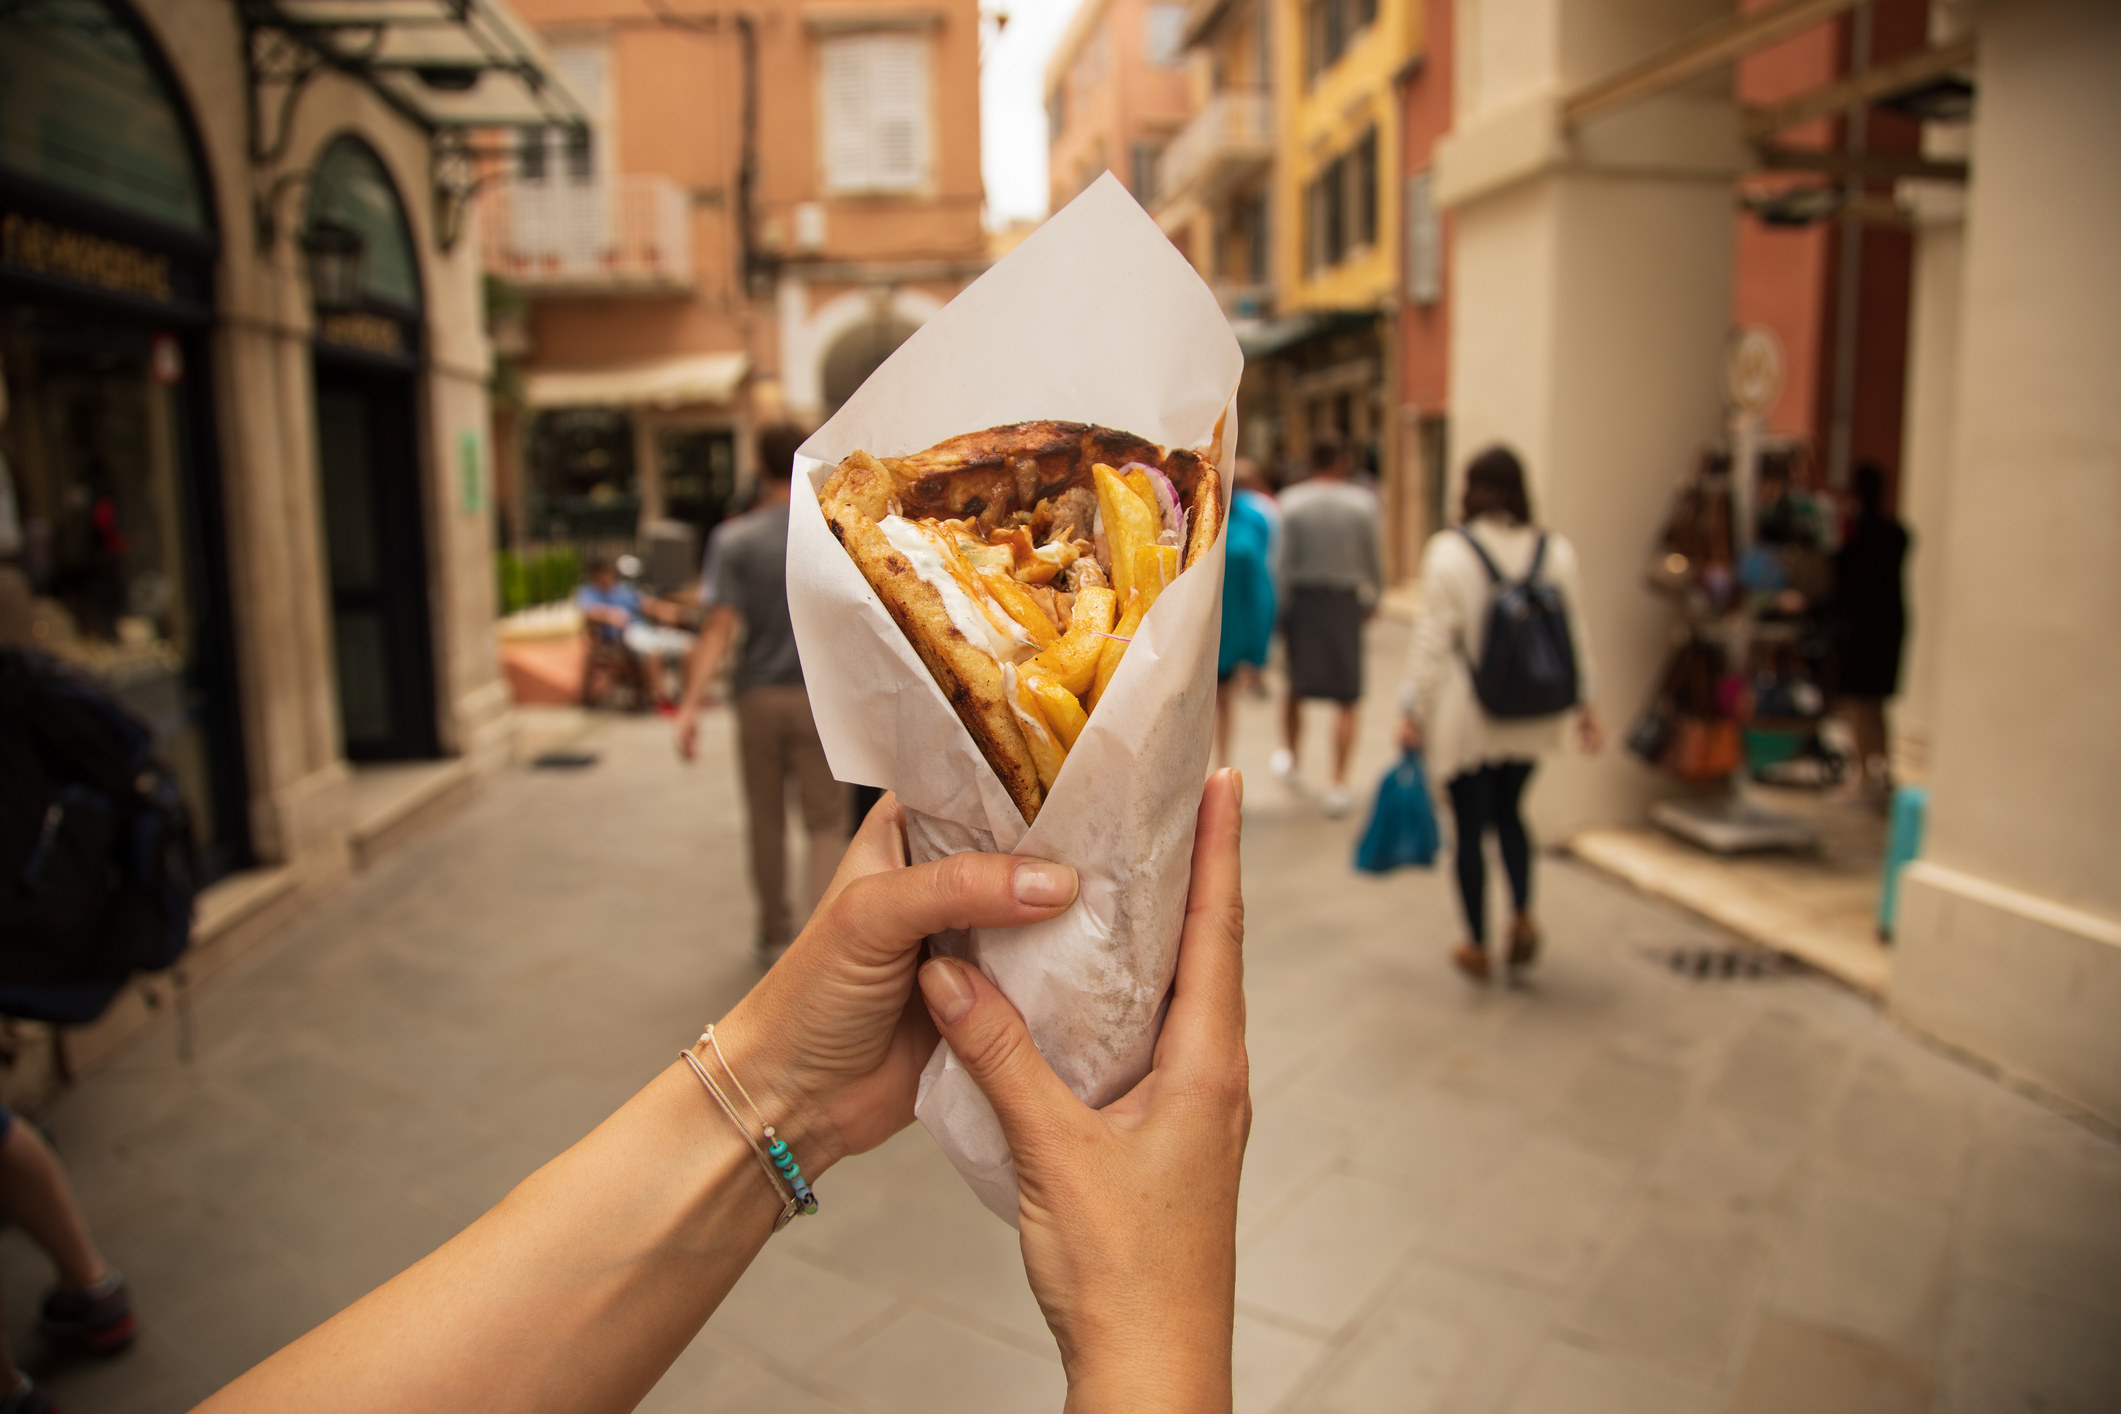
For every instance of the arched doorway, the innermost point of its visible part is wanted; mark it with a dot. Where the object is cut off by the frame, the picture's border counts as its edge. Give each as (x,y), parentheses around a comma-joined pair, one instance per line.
(110,519)
(858,352)
(368,459)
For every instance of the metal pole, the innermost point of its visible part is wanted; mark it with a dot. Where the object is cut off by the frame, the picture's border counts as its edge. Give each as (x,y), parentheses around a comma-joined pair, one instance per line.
(1849,285)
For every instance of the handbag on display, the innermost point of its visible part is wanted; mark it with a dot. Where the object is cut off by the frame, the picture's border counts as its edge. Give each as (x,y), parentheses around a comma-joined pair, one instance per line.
(1705,749)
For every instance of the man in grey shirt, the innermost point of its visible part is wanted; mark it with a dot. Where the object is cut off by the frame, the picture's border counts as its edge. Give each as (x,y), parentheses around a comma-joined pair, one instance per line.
(1332,573)
(776,740)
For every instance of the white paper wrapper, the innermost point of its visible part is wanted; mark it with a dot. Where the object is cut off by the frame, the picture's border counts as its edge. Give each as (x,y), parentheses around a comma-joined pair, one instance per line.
(1094,318)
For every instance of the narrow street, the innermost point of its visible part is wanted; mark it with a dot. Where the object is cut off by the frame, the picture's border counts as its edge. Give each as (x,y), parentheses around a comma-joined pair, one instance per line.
(1616,1189)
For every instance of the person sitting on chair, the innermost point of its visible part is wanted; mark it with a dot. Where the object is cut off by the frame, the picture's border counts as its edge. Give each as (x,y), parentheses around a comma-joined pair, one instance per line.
(639,625)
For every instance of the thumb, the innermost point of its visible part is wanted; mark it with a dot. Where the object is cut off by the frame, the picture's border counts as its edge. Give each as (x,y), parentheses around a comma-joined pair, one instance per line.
(990,1039)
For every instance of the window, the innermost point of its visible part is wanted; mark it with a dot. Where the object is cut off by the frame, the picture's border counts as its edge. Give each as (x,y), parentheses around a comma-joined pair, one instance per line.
(1341,207)
(1330,26)
(874,96)
(581,154)
(1361,177)
(1143,160)
(1424,242)
(585,154)
(530,154)
(1165,27)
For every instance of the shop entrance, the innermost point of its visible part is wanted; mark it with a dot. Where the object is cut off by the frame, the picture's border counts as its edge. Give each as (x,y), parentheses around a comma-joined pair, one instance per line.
(369,467)
(367,460)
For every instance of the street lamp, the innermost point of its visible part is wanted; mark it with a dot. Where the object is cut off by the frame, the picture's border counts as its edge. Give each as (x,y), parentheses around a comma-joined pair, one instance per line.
(333,254)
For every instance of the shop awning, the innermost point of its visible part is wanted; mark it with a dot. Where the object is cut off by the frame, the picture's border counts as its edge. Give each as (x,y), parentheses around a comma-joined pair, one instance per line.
(666,383)
(443,63)
(1262,338)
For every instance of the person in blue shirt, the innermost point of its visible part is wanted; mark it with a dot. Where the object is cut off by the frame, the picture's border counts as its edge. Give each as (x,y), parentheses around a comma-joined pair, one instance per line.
(1248,593)
(616,612)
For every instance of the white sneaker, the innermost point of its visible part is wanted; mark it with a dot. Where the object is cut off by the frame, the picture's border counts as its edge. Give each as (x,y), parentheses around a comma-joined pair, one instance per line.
(1283,764)
(1336,802)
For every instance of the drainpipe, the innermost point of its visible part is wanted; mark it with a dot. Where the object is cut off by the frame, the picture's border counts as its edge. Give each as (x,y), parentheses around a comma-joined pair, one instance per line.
(1841,430)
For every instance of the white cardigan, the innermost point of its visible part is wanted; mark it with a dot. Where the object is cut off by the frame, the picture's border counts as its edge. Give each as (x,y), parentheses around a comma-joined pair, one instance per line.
(1437,690)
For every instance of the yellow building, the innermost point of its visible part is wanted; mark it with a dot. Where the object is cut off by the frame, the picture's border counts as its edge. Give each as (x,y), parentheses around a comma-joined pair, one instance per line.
(1336,67)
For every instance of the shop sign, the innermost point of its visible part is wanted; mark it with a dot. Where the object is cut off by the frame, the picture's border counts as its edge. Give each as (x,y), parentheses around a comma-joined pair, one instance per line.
(357,329)
(40,247)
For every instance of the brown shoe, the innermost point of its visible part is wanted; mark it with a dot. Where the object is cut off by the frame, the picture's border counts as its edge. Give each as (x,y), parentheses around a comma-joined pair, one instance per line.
(1471,960)
(1524,942)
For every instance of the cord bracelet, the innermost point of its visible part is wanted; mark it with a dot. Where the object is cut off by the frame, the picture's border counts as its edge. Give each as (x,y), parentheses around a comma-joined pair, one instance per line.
(782,1172)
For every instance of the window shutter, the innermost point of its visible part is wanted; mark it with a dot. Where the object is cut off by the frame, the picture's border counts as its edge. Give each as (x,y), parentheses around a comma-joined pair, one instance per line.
(1424,242)
(876,112)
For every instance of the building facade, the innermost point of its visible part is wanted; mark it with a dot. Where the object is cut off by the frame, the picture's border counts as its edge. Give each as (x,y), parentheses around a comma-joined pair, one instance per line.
(1117,92)
(246,467)
(769,204)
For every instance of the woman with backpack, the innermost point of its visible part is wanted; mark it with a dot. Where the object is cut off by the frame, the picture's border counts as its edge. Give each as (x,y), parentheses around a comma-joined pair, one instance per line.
(1498,667)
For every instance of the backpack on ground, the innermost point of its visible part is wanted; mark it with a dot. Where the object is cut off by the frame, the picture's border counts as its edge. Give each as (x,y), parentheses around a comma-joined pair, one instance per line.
(1527,664)
(97,871)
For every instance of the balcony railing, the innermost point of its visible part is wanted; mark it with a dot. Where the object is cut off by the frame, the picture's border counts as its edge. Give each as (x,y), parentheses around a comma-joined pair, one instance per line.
(604,236)
(1229,140)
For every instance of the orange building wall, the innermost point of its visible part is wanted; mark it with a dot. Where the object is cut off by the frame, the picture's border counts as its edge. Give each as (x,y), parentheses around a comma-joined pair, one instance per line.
(1788,280)
(1106,113)
(676,95)
(1425,331)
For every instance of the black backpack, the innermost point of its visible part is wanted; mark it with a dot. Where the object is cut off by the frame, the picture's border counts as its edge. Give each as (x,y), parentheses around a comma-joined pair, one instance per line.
(1527,664)
(97,871)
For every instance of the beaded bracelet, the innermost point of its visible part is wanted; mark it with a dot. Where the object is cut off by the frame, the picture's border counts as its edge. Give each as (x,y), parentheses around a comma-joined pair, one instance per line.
(782,1171)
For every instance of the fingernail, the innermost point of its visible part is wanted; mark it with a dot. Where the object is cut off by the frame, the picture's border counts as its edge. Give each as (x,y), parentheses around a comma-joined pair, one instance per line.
(1237,784)
(947,992)
(1043,885)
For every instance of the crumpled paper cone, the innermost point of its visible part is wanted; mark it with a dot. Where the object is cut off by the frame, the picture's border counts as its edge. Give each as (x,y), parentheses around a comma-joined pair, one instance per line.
(1094,318)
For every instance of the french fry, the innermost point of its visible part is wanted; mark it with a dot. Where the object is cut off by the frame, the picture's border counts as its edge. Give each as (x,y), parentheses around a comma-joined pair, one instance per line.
(1047,754)
(1155,566)
(1115,649)
(1130,522)
(1062,712)
(1072,660)
(1138,482)
(1019,604)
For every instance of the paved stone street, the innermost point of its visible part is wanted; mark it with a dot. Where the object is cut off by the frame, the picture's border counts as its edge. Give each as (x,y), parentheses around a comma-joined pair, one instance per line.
(1615,1190)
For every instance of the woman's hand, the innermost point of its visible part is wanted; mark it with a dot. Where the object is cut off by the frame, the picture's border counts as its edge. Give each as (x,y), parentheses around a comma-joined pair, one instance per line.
(1129,1213)
(1589,730)
(828,1035)
(1410,735)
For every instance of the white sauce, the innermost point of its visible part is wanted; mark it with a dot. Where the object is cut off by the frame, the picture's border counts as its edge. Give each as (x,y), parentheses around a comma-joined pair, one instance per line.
(971,620)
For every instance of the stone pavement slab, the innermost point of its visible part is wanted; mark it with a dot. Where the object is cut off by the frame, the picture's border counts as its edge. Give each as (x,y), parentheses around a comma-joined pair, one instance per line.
(1609,1189)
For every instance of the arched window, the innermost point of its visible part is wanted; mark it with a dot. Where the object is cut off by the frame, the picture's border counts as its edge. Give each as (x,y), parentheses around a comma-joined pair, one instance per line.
(353,189)
(86,109)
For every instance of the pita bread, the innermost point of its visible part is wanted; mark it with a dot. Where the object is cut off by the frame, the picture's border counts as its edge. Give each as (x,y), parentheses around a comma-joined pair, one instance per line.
(995,478)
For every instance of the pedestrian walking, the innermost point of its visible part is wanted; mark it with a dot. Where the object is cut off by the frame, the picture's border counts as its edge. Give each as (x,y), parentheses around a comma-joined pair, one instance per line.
(776,739)
(1867,625)
(1248,595)
(1485,759)
(1332,573)
(89,1309)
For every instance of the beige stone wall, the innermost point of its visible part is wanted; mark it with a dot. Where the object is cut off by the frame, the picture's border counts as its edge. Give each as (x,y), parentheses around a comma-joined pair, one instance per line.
(266,441)
(2010,943)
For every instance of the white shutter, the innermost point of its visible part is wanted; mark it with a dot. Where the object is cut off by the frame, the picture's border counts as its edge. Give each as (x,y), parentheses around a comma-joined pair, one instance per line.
(875,112)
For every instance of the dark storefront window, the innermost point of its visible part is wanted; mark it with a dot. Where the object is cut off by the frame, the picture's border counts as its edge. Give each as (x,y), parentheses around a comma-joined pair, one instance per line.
(105,252)
(582,488)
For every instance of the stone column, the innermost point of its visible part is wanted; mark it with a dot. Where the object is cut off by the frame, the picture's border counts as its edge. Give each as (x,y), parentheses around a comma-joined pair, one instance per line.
(1590,288)
(2009,935)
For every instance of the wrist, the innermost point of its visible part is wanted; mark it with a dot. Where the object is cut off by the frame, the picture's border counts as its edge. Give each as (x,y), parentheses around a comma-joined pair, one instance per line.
(763,1057)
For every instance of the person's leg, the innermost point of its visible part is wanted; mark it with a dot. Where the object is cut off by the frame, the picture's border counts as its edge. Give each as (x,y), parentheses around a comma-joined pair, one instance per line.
(824,799)
(1292,720)
(1509,784)
(766,813)
(1469,797)
(35,1197)
(1343,741)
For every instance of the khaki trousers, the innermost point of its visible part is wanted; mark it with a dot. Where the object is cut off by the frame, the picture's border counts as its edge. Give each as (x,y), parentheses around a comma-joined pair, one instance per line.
(776,742)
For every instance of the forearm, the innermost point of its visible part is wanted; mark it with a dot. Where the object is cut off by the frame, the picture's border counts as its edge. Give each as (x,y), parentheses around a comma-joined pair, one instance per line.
(707,655)
(572,1295)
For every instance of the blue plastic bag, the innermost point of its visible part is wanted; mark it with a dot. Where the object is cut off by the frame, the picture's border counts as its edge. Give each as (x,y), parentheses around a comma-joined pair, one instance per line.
(1402,827)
